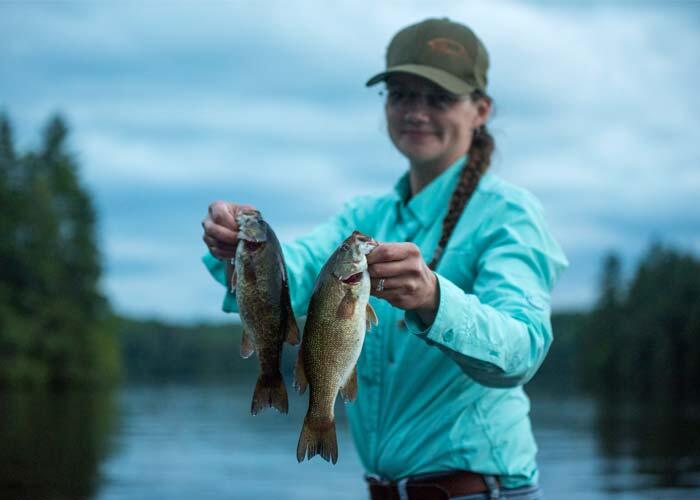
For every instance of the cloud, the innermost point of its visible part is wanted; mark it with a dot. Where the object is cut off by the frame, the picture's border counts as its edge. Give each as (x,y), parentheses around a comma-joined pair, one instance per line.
(596,113)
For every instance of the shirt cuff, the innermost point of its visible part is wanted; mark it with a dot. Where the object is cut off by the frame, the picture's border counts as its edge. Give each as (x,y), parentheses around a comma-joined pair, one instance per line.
(440,330)
(455,324)
(217,269)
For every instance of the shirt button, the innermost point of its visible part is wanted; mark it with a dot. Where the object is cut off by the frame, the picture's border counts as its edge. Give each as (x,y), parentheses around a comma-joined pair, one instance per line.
(448,336)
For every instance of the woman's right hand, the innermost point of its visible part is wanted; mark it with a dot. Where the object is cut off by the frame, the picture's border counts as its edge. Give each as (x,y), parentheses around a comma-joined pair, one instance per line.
(221,228)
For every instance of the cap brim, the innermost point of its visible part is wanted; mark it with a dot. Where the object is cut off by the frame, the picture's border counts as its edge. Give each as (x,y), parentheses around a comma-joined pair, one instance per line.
(439,77)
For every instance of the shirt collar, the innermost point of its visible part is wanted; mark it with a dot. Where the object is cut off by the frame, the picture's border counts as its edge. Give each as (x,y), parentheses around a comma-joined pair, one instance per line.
(431,201)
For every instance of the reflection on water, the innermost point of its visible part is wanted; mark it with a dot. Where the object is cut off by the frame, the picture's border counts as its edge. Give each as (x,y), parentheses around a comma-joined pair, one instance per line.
(660,443)
(183,442)
(179,443)
(592,450)
(52,444)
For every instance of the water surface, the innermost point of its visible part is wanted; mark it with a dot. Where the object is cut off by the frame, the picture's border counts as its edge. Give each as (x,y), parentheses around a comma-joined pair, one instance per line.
(181,442)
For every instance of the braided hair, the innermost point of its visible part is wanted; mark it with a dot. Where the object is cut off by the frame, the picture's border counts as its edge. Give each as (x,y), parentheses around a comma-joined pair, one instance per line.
(480,151)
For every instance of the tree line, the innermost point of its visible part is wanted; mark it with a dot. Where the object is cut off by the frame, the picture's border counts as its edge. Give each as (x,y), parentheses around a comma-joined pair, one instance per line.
(641,339)
(154,351)
(55,325)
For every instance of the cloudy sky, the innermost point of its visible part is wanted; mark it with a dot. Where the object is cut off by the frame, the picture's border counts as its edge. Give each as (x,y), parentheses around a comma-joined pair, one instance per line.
(175,104)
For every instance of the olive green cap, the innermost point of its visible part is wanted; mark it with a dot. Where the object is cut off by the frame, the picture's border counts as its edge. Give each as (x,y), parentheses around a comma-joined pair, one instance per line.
(447,53)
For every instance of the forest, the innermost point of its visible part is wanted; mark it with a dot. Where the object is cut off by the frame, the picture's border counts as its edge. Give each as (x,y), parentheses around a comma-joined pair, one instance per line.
(641,339)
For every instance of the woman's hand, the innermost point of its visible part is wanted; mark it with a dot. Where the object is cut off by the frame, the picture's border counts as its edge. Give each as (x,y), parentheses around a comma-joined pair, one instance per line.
(221,228)
(405,280)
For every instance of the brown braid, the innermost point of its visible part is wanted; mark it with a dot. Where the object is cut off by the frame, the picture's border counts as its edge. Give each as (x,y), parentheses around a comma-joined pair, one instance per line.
(480,151)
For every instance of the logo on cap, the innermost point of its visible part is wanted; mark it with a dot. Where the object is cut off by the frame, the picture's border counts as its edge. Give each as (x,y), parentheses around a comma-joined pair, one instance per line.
(447,46)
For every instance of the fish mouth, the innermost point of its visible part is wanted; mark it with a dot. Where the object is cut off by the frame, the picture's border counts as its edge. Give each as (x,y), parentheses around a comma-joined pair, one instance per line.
(353,279)
(252,246)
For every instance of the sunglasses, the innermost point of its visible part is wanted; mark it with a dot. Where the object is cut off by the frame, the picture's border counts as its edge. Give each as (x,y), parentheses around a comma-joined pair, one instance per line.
(399,97)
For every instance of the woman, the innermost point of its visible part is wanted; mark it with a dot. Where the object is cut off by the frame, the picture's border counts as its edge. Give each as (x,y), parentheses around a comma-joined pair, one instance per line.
(462,292)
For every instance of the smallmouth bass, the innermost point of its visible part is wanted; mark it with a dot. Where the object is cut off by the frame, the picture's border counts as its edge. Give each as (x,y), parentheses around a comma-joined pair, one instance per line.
(339,314)
(259,279)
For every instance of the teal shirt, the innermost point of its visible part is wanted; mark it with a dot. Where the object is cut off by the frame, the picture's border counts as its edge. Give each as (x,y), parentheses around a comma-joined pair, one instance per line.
(447,396)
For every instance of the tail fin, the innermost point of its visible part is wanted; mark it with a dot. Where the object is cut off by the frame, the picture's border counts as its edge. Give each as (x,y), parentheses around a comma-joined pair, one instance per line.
(318,438)
(269,392)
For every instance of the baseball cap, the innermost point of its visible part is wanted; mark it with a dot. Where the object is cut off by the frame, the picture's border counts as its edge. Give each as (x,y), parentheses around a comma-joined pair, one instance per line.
(447,53)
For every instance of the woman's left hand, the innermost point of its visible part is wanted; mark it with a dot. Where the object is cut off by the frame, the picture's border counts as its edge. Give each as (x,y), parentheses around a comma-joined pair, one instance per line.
(405,280)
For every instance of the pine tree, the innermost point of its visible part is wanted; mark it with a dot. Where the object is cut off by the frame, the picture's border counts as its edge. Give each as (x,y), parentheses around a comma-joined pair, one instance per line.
(602,336)
(57,330)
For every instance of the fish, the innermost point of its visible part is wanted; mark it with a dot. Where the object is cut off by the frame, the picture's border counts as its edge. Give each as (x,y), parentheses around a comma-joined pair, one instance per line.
(338,317)
(258,277)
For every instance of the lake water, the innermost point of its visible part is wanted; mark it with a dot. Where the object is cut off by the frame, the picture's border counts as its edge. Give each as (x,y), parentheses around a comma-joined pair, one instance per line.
(185,442)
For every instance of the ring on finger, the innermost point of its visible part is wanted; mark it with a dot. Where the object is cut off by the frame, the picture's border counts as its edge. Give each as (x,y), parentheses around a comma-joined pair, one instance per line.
(380,285)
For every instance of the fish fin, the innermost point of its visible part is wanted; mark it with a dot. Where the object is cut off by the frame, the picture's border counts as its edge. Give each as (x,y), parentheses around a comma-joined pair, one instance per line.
(318,438)
(292,328)
(300,381)
(371,317)
(231,277)
(269,392)
(247,347)
(346,307)
(349,391)
(293,335)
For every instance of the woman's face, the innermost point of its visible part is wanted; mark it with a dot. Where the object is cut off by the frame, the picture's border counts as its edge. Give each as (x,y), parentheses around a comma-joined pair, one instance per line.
(427,124)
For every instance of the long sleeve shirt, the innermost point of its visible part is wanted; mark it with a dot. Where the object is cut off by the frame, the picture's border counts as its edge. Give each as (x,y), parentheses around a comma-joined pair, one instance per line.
(449,395)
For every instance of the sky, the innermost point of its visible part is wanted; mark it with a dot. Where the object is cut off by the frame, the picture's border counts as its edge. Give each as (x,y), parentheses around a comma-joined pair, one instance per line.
(173,105)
